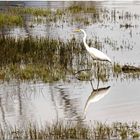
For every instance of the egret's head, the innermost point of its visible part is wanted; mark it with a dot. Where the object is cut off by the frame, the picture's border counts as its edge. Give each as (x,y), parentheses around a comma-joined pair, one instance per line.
(77,30)
(80,30)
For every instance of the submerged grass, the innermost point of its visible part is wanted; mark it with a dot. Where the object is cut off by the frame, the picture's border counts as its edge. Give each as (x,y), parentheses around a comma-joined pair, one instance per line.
(73,130)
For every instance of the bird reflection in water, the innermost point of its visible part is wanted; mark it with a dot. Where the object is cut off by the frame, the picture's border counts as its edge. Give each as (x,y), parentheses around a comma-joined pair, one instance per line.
(96,95)
(99,92)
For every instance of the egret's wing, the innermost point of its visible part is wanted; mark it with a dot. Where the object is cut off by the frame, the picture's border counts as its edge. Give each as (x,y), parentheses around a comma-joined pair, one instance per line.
(96,95)
(97,54)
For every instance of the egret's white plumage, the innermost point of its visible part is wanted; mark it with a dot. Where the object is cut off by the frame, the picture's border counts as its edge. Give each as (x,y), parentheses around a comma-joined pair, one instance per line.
(95,53)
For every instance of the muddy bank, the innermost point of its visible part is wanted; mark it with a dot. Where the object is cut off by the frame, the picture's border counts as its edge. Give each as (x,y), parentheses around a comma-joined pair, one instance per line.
(129,68)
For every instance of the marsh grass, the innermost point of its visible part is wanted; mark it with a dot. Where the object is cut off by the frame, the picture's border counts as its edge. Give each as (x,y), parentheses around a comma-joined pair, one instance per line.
(50,60)
(29,11)
(36,50)
(77,9)
(44,59)
(71,15)
(72,130)
(32,72)
(117,68)
(46,11)
(8,19)
(17,14)
(37,58)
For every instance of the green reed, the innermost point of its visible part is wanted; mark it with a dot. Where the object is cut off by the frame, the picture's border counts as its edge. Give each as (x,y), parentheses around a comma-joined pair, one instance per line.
(7,19)
(78,9)
(29,11)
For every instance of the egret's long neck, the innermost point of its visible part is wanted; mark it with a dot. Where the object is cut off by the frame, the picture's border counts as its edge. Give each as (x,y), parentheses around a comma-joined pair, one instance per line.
(84,40)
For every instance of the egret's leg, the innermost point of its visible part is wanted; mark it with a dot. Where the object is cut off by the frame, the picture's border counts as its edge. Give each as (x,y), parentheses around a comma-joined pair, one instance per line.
(92,64)
(98,74)
(91,84)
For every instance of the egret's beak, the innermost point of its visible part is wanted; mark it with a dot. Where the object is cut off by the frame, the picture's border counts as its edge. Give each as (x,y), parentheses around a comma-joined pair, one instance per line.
(77,30)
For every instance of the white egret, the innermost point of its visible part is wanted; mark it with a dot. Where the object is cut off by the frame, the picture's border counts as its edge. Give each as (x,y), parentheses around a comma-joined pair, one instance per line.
(95,53)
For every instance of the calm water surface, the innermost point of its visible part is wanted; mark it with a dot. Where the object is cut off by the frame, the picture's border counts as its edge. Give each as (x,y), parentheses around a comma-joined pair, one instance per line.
(22,102)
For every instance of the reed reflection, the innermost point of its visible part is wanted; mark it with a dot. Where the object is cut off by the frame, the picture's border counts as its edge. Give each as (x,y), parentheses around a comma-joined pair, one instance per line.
(69,105)
(3,114)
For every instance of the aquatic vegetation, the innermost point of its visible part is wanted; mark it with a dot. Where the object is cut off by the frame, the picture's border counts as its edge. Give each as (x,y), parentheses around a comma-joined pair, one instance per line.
(75,9)
(117,68)
(32,58)
(30,11)
(78,9)
(49,14)
(10,20)
(125,72)
(72,130)
(126,25)
(84,75)
(59,12)
(72,15)
(83,20)
(50,60)
(110,42)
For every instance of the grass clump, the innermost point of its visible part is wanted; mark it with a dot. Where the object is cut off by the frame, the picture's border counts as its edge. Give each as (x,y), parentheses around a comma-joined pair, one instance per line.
(17,14)
(50,60)
(72,130)
(117,68)
(30,11)
(36,58)
(84,75)
(77,9)
(10,20)
(31,72)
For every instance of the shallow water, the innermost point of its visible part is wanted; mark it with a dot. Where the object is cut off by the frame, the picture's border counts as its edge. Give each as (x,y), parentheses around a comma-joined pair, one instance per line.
(47,102)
